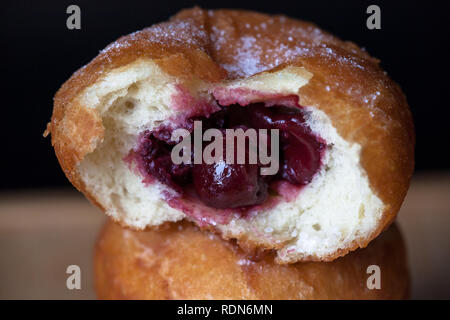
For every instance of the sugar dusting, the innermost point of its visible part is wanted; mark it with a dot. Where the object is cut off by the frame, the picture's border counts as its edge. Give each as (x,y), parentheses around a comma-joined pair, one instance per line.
(261,45)
(258,44)
(182,32)
(247,60)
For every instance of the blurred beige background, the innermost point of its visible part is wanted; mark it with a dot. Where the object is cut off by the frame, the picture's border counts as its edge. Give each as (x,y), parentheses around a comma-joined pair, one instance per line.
(41,233)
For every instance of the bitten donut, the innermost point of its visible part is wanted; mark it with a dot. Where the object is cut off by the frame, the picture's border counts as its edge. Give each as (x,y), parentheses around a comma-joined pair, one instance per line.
(180,262)
(345,133)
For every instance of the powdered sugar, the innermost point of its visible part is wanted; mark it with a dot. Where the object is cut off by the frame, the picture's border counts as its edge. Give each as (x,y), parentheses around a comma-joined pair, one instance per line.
(247,61)
(179,31)
(257,46)
(183,32)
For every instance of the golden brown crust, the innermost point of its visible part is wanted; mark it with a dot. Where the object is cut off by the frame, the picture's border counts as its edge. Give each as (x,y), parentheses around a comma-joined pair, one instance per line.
(363,103)
(180,262)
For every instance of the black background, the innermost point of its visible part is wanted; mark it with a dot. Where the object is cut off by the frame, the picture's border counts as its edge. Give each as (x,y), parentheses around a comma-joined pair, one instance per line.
(38,53)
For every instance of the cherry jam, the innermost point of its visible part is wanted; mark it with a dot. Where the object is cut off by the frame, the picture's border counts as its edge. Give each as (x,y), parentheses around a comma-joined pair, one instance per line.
(223,185)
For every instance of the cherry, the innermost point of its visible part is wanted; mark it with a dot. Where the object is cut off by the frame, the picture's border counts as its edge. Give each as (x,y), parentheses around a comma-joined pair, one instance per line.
(301,158)
(301,150)
(154,155)
(223,185)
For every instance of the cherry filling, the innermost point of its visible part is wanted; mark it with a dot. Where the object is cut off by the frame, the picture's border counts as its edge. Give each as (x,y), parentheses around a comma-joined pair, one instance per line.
(223,185)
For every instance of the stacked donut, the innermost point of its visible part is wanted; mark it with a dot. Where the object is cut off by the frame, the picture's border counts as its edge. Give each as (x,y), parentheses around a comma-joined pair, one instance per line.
(222,229)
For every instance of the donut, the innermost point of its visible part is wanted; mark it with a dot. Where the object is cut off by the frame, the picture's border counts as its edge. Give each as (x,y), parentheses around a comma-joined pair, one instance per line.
(338,130)
(178,261)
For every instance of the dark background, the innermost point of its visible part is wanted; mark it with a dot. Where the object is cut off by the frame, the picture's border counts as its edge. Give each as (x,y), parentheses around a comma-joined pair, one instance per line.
(38,53)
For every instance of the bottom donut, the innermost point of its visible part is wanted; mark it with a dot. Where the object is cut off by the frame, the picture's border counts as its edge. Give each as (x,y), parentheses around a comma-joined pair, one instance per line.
(177,261)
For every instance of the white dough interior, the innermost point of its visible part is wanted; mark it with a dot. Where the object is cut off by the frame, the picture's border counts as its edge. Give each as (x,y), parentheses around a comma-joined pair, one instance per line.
(329,213)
